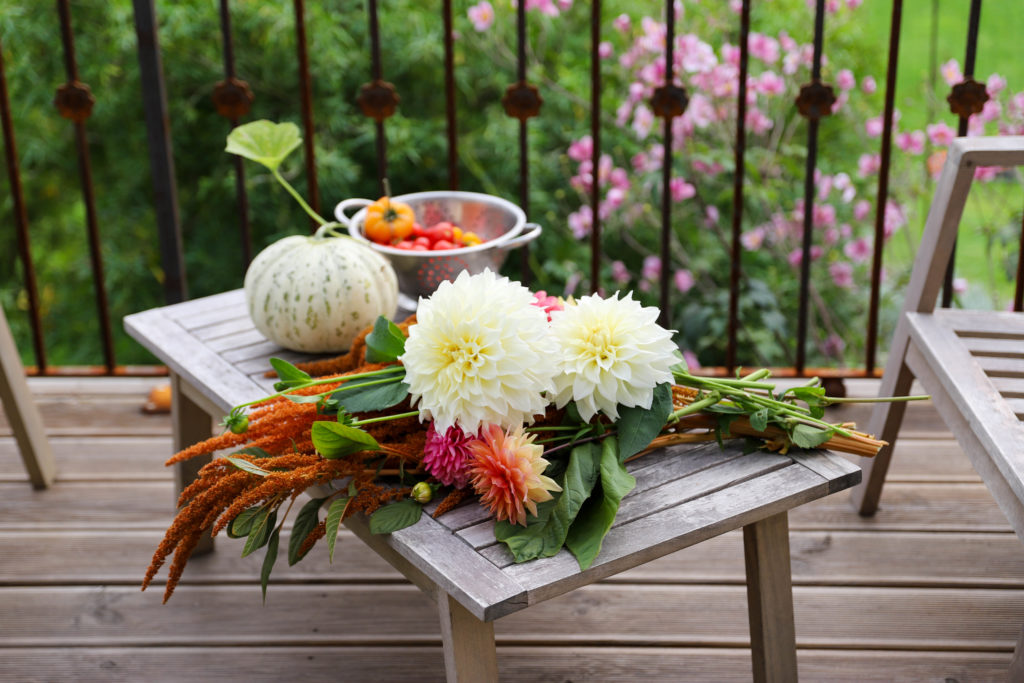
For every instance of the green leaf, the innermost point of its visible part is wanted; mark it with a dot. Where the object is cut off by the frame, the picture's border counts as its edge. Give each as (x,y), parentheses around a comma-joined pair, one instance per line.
(246,466)
(241,525)
(254,451)
(544,535)
(268,561)
(305,522)
(637,427)
(391,518)
(259,532)
(334,440)
(264,142)
(334,515)
(812,396)
(759,420)
(385,343)
(288,375)
(597,515)
(806,436)
(374,397)
(303,399)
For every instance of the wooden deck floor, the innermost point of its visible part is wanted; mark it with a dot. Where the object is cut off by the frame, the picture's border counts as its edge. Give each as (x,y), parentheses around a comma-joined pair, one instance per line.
(931,589)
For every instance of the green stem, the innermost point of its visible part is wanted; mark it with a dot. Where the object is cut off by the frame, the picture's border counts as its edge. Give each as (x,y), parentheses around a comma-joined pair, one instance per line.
(316,383)
(887,399)
(554,428)
(693,407)
(383,418)
(302,202)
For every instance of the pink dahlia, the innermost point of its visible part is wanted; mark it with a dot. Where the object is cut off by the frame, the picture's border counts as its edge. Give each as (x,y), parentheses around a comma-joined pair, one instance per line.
(546,303)
(446,456)
(507,471)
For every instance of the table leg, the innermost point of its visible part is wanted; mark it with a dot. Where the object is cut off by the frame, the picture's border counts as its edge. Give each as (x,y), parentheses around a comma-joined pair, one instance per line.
(770,599)
(190,424)
(470,655)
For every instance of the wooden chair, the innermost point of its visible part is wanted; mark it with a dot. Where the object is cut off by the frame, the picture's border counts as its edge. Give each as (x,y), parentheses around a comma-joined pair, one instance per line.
(22,413)
(971,362)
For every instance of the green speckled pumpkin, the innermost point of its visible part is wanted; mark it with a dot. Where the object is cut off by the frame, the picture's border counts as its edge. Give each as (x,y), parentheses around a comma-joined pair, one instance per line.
(315,294)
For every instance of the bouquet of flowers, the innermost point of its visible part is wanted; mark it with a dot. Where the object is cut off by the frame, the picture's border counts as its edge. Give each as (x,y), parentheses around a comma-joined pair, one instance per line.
(529,404)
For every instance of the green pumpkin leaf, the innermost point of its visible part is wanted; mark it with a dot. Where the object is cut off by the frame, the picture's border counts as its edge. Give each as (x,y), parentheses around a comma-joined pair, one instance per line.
(268,561)
(334,515)
(637,426)
(241,525)
(759,419)
(364,397)
(806,436)
(335,440)
(264,142)
(289,376)
(391,518)
(259,533)
(305,522)
(247,466)
(597,515)
(385,343)
(544,535)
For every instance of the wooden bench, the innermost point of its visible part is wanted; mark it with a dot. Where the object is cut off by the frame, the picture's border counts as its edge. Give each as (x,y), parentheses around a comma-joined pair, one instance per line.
(971,362)
(684,495)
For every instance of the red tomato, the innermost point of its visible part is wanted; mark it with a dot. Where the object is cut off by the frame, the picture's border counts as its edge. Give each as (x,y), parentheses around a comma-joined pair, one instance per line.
(441,245)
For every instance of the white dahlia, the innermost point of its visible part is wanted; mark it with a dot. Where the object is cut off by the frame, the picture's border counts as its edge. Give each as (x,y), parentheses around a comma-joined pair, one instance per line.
(480,351)
(611,352)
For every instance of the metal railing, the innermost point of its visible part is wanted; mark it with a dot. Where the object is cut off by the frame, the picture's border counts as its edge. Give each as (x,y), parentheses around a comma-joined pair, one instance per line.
(522,100)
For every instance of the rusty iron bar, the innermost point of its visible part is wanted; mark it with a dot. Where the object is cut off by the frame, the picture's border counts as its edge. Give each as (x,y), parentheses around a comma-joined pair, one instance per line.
(524,148)
(306,99)
(812,161)
(664,244)
(595,136)
(973,23)
(241,195)
(161,157)
(88,195)
(21,219)
(449,95)
(737,190)
(376,72)
(1018,294)
(871,342)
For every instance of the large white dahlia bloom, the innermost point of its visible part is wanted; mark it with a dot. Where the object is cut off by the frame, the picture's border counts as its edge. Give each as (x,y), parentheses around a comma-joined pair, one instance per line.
(611,352)
(480,352)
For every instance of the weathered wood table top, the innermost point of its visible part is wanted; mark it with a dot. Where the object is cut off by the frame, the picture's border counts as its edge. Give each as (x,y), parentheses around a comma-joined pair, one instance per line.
(684,494)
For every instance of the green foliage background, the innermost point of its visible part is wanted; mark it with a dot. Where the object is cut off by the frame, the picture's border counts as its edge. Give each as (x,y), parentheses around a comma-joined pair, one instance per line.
(264,40)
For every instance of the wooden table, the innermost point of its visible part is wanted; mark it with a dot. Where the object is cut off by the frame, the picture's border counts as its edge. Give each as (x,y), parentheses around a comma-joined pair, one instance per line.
(684,495)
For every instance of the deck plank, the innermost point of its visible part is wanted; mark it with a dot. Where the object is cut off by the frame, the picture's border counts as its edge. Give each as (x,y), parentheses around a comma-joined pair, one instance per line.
(932,588)
(526,664)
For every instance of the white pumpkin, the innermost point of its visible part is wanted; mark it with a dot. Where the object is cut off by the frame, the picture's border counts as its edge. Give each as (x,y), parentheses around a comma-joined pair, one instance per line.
(316,293)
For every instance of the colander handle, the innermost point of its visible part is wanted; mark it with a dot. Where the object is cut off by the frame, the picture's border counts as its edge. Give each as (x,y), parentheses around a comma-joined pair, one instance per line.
(531,231)
(345,205)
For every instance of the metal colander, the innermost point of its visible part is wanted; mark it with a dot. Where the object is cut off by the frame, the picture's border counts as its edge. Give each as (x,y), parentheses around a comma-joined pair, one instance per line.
(499,223)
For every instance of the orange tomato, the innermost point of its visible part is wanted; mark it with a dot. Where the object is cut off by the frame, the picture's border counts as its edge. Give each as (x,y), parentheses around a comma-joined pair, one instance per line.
(388,222)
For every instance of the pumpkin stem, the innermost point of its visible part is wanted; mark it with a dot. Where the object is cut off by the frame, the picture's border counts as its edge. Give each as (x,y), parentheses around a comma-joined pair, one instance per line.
(329,230)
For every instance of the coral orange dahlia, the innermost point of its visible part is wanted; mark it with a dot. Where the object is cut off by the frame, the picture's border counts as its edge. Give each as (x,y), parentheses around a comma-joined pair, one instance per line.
(507,472)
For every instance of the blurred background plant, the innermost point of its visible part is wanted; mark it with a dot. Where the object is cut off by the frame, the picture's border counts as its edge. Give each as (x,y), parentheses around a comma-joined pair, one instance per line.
(562,169)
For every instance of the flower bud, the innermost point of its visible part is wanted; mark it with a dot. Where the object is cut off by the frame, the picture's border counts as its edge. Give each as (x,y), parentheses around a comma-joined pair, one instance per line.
(422,493)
